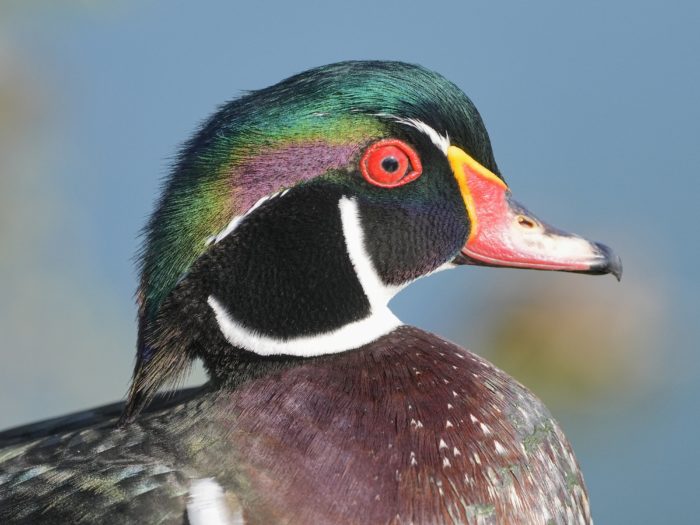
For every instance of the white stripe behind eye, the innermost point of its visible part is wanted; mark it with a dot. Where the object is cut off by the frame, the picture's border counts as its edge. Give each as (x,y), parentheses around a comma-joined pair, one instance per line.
(441,141)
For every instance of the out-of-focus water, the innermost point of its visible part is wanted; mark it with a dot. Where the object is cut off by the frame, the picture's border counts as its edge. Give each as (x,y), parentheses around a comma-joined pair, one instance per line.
(594,116)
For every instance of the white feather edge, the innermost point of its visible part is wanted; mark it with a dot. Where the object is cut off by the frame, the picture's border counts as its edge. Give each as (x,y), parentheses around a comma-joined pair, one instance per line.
(206,504)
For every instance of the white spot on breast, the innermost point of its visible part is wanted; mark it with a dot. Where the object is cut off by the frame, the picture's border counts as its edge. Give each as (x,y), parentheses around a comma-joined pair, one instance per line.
(499,448)
(474,420)
(456,452)
(485,429)
(492,491)
(448,424)
(442,444)
(446,463)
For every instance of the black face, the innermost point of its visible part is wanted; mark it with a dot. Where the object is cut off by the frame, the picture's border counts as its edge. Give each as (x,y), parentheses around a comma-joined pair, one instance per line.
(412,229)
(285,272)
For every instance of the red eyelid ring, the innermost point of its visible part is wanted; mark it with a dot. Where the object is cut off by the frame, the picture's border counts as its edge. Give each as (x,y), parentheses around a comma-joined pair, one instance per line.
(409,165)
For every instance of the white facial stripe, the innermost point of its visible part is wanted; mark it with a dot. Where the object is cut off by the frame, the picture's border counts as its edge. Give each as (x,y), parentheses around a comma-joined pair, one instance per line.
(378,293)
(442,142)
(206,504)
(379,322)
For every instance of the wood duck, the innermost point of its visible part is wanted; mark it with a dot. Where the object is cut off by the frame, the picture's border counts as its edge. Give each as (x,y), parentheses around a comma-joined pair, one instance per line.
(290,220)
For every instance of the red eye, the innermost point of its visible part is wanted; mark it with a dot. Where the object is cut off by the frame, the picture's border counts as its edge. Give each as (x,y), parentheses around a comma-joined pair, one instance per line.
(390,163)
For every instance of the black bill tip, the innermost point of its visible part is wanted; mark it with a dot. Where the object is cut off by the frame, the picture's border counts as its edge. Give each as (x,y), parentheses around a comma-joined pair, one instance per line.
(606,262)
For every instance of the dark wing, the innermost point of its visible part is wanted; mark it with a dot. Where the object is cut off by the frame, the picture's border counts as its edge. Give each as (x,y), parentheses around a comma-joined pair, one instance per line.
(83,468)
(122,493)
(87,418)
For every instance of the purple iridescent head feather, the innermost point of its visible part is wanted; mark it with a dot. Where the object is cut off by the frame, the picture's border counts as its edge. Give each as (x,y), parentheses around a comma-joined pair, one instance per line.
(286,166)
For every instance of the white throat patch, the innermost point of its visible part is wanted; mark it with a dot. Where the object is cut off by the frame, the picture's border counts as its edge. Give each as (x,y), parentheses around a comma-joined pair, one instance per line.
(379,322)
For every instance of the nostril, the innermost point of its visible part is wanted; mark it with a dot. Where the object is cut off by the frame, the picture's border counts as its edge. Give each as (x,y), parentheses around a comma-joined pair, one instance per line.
(526,222)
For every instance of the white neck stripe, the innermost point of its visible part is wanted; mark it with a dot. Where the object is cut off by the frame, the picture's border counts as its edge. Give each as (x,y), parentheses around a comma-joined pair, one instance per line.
(378,294)
(379,322)
(347,337)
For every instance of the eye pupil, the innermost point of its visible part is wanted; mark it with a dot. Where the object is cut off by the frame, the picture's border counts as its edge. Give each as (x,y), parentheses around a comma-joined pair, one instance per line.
(390,164)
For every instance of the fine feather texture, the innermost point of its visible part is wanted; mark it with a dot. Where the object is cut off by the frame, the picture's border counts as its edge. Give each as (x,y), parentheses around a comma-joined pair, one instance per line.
(378,320)
(408,429)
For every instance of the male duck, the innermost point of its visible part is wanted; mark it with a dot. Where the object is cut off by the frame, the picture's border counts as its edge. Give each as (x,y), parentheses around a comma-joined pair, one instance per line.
(290,220)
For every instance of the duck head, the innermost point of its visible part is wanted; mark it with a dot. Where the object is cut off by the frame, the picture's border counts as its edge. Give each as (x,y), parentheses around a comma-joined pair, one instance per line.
(297,211)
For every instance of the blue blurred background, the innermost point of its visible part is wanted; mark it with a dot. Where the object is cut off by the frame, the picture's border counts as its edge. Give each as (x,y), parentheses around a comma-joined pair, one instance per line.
(594,113)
